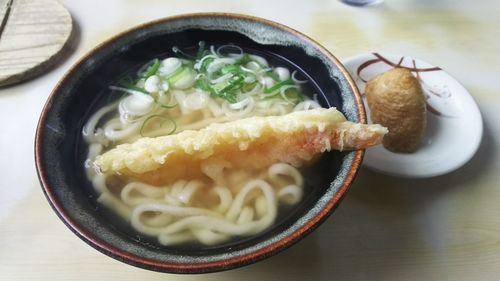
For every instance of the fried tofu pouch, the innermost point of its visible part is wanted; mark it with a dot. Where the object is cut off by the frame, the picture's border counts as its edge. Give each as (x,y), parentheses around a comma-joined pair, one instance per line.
(247,143)
(396,101)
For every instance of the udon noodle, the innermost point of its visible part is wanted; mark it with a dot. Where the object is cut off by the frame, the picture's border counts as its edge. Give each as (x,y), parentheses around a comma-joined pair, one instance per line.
(180,93)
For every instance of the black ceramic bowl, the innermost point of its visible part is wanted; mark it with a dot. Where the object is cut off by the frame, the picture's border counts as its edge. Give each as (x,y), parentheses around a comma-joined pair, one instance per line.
(58,148)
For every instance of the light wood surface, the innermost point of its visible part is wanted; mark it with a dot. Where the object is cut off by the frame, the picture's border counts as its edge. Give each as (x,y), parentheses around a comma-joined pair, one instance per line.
(443,228)
(35,32)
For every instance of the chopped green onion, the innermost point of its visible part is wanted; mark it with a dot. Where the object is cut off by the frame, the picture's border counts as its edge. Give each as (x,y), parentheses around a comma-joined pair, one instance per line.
(112,96)
(139,89)
(244,60)
(203,85)
(230,68)
(165,118)
(182,54)
(178,74)
(149,69)
(229,91)
(177,71)
(128,84)
(168,106)
(205,63)
(205,53)
(273,75)
(201,50)
(226,90)
(293,96)
(130,90)
(248,87)
(278,85)
(165,105)
(226,83)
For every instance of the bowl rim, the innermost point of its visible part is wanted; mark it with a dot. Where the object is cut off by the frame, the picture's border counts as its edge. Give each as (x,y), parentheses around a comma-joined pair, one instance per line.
(212,266)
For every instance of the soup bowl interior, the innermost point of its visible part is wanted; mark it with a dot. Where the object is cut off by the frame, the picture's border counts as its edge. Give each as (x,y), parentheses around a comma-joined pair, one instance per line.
(60,151)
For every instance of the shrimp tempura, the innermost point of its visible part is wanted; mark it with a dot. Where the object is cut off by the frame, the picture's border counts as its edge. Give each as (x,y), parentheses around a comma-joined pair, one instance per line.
(249,143)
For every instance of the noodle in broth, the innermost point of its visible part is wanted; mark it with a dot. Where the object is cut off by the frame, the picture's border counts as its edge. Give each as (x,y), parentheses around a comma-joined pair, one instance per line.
(175,94)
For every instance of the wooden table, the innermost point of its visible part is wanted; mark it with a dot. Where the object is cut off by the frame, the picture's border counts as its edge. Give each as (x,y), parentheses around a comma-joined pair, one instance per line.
(443,228)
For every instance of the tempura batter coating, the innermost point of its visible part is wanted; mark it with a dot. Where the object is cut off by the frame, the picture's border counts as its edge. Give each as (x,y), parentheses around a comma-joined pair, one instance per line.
(396,101)
(252,142)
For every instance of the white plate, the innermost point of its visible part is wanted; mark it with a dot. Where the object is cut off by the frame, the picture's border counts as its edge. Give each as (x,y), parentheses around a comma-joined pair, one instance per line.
(454,124)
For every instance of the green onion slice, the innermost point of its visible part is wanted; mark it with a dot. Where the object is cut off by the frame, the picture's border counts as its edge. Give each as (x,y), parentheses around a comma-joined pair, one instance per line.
(149,69)
(178,74)
(201,50)
(164,119)
(165,105)
(181,54)
(278,85)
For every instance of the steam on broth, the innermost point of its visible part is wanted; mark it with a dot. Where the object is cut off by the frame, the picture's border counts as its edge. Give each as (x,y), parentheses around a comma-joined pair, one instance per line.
(205,147)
